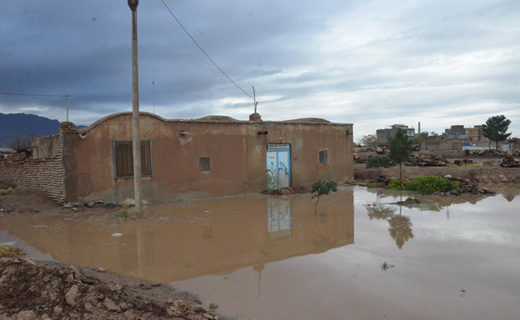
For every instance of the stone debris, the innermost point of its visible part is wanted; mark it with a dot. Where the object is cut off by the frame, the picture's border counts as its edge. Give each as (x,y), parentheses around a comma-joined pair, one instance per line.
(287,191)
(467,186)
(48,291)
(463,162)
(510,162)
(427,160)
(493,153)
(408,202)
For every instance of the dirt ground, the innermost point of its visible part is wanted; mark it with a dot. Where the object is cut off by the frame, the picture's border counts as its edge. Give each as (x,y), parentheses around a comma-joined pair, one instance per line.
(27,203)
(32,290)
(482,174)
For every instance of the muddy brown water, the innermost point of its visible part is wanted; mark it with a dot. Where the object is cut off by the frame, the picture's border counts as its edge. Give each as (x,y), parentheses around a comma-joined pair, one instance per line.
(262,257)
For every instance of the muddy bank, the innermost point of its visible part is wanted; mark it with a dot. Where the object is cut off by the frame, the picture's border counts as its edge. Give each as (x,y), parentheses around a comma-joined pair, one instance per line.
(32,290)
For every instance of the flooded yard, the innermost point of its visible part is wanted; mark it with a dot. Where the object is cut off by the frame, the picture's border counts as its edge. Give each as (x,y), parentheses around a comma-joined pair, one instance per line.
(361,256)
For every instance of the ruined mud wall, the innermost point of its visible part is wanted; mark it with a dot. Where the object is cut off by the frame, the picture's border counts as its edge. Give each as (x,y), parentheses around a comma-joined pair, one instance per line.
(42,172)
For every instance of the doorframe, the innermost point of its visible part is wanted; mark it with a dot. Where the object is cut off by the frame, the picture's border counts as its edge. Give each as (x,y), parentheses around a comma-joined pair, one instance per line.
(289,163)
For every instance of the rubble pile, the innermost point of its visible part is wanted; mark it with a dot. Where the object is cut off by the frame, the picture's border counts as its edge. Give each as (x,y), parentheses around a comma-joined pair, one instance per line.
(95,204)
(463,162)
(34,291)
(467,186)
(409,202)
(427,160)
(493,153)
(286,191)
(510,162)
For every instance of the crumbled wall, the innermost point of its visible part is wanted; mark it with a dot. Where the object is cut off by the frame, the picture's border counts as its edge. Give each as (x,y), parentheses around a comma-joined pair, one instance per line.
(44,174)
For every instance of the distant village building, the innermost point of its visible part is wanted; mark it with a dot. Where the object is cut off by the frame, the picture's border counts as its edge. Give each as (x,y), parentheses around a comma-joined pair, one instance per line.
(6,152)
(383,135)
(459,138)
(210,156)
(456,132)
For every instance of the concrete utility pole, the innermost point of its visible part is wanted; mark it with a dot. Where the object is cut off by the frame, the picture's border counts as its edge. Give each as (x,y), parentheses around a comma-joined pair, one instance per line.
(136,141)
(68,99)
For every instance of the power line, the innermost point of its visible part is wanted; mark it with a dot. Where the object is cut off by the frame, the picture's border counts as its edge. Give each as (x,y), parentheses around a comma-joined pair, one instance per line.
(204,52)
(34,94)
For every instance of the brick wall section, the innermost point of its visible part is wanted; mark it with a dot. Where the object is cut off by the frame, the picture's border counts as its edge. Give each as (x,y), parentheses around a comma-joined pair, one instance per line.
(45,175)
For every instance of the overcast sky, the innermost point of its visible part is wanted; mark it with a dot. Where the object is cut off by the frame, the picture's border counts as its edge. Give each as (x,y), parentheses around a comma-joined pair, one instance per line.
(370,63)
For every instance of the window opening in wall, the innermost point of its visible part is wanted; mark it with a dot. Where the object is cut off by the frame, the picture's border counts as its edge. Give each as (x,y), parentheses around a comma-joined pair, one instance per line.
(124,160)
(322,155)
(204,164)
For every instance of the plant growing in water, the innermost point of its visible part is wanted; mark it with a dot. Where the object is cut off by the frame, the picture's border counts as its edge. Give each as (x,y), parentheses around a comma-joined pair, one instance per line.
(322,188)
(424,185)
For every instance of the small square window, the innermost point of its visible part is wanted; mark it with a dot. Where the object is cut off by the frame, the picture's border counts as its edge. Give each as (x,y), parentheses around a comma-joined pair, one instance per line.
(322,155)
(204,164)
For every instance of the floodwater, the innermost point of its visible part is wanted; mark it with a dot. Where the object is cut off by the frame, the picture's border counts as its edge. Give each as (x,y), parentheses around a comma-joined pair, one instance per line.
(361,256)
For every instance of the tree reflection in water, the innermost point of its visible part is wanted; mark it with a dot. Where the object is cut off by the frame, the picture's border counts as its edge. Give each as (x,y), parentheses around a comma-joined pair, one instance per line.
(400,229)
(400,226)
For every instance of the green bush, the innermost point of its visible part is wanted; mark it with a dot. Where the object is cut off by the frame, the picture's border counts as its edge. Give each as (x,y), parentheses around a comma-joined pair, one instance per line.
(395,184)
(322,188)
(424,185)
(379,162)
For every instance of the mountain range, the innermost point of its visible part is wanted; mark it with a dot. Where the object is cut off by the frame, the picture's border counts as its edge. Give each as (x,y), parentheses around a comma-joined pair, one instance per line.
(17,125)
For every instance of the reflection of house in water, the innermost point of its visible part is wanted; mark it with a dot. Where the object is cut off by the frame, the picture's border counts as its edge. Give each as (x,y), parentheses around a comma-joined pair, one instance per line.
(193,239)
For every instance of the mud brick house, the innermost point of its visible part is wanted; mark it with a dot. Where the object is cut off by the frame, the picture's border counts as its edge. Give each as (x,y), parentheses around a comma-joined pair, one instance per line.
(211,156)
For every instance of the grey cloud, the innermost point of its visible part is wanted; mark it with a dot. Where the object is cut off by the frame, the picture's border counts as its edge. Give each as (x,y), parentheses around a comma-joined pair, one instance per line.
(375,60)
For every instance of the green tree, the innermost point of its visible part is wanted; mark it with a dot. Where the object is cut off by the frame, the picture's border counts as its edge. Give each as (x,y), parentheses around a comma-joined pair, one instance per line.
(495,129)
(322,188)
(400,149)
(378,163)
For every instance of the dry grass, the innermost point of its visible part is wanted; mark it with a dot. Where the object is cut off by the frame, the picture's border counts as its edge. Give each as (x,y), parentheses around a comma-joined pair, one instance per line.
(10,252)
(470,165)
(7,191)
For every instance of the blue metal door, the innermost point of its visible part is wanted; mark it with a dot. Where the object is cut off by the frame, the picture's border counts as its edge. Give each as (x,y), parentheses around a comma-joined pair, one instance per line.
(278,166)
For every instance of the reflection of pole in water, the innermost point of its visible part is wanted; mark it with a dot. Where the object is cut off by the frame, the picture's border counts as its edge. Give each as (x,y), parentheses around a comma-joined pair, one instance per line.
(259,269)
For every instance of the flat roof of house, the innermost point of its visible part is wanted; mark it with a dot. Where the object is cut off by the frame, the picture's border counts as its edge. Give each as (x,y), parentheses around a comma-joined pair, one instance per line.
(214,119)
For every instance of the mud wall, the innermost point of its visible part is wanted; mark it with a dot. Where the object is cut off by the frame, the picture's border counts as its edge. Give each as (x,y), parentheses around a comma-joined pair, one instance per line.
(45,174)
(441,145)
(237,150)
